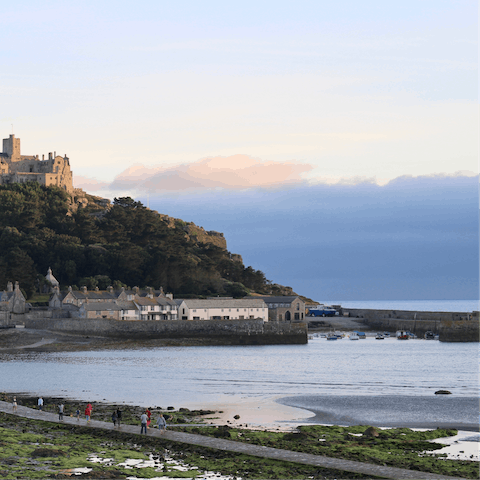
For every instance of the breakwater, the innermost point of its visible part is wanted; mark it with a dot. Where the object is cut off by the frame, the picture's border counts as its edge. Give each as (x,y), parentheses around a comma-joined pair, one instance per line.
(451,326)
(222,332)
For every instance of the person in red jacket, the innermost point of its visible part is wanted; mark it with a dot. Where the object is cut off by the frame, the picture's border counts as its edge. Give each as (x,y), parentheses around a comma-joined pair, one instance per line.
(88,412)
(149,417)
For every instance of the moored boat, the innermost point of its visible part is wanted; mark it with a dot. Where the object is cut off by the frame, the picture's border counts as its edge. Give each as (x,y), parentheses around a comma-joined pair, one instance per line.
(353,336)
(402,335)
(379,336)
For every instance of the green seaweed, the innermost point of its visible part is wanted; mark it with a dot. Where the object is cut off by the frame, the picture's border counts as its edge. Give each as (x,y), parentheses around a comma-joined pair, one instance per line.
(399,447)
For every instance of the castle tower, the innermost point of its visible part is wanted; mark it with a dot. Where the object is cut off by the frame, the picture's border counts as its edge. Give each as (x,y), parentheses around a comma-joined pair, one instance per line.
(11,146)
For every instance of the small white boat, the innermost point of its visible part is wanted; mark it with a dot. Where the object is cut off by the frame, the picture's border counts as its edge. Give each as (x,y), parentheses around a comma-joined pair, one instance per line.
(379,336)
(353,336)
(332,336)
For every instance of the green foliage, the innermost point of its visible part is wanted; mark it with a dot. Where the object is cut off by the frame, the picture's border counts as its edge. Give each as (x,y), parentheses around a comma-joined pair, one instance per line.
(129,245)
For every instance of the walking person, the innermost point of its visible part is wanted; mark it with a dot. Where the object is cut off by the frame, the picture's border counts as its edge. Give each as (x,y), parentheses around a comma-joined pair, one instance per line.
(77,413)
(162,424)
(60,411)
(88,412)
(143,421)
(40,403)
(14,404)
(114,418)
(149,416)
(119,416)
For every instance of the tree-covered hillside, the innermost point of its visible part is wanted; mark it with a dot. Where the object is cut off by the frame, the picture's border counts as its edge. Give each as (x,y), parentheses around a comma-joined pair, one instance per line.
(130,245)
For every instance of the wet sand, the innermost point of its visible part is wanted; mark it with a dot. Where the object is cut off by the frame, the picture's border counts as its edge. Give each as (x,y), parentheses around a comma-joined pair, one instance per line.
(436,411)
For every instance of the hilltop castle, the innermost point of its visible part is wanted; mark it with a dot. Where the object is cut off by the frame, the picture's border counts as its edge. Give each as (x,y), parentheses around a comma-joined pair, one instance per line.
(16,168)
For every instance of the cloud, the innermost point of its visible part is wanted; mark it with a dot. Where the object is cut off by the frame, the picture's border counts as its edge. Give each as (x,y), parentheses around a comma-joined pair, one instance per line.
(89,184)
(235,172)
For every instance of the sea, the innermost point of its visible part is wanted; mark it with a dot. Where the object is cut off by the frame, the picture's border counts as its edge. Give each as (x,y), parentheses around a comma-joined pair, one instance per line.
(320,376)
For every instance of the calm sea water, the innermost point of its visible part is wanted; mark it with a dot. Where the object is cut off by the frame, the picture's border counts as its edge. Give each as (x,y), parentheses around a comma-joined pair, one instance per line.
(193,376)
(411,305)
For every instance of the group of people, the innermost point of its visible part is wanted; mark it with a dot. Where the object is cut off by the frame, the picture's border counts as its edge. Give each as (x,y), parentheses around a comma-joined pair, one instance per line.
(146,419)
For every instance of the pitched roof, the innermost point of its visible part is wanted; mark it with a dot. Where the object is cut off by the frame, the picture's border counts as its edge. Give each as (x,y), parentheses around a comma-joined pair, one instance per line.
(127,305)
(100,306)
(145,301)
(229,303)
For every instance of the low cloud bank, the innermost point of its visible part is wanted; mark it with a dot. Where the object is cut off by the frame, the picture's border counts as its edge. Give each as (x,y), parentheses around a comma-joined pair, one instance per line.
(232,173)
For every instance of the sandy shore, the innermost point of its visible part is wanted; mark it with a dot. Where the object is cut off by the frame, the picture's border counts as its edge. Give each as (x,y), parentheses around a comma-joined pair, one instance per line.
(257,412)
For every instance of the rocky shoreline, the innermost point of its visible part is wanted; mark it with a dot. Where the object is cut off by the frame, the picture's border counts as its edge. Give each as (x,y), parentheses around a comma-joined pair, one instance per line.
(35,448)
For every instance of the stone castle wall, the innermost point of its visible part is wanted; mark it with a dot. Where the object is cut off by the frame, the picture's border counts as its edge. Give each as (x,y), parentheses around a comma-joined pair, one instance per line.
(17,168)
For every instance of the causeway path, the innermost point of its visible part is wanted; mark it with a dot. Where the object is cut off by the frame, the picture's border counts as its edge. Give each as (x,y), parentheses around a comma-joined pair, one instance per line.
(232,446)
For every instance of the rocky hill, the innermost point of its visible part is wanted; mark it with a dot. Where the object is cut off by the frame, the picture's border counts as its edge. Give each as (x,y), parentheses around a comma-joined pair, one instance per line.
(88,240)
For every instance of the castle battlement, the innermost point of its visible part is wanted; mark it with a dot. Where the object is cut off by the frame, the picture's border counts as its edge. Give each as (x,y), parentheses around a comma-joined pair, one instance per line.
(17,168)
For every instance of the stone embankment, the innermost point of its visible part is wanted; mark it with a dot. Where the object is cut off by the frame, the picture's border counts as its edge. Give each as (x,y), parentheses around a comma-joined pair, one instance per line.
(451,326)
(224,332)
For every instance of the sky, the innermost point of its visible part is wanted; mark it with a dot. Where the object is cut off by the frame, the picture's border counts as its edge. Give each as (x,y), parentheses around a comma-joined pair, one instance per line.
(327,140)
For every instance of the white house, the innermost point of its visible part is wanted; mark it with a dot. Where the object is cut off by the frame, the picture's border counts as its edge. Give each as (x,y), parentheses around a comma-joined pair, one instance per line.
(223,309)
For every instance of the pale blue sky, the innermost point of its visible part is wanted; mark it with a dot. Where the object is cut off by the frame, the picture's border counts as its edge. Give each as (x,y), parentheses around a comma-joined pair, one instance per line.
(375,89)
(231,114)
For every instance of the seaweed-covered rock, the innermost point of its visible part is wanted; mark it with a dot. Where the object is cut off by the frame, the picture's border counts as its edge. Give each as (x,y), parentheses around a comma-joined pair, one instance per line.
(371,432)
(47,452)
(223,432)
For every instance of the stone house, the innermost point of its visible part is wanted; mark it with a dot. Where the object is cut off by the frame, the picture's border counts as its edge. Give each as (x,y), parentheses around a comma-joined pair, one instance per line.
(223,309)
(133,304)
(12,300)
(100,310)
(284,308)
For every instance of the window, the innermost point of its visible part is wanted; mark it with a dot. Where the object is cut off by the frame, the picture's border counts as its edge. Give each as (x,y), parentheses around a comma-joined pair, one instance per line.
(194,311)
(298,306)
(238,309)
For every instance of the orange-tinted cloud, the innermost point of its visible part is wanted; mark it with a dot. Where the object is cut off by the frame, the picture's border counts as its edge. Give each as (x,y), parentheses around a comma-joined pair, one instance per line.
(233,173)
(89,184)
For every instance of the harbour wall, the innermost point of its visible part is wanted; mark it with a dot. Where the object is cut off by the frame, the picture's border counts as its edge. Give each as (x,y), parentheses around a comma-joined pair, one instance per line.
(225,332)
(451,326)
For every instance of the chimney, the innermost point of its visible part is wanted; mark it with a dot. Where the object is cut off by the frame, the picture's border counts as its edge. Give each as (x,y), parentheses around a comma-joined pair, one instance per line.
(97,289)
(17,287)
(83,289)
(136,290)
(43,157)
(110,289)
(9,287)
(49,155)
(150,292)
